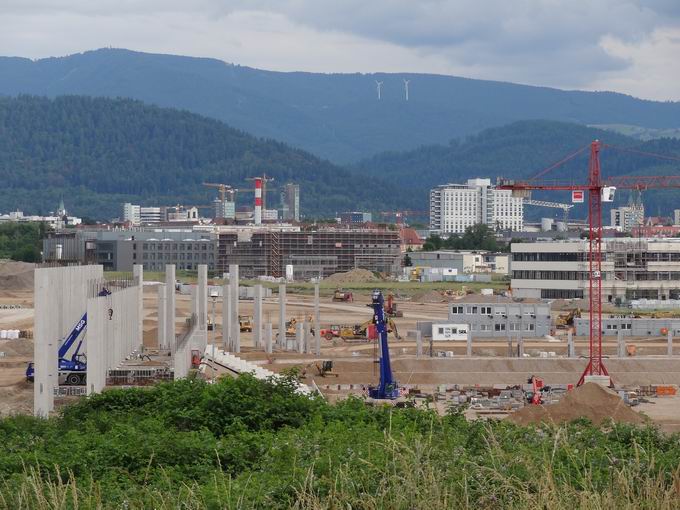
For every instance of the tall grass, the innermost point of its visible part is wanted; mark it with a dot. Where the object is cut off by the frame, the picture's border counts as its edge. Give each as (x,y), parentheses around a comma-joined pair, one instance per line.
(413,477)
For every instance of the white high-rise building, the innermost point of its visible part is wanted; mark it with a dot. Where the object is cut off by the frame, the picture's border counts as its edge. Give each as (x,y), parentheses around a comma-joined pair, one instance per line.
(131,213)
(627,217)
(454,207)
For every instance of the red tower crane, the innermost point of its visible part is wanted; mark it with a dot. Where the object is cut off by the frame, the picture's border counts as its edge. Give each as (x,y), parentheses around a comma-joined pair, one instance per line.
(598,190)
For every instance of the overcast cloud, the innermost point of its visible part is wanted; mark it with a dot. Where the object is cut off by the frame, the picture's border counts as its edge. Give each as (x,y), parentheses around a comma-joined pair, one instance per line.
(631,46)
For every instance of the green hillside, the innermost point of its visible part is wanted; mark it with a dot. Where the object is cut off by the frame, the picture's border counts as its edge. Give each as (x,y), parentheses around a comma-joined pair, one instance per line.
(98,153)
(336,116)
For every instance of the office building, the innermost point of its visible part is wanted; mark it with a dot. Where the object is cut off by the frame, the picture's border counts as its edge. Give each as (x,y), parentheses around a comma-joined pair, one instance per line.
(631,269)
(497,316)
(455,207)
(132,214)
(290,202)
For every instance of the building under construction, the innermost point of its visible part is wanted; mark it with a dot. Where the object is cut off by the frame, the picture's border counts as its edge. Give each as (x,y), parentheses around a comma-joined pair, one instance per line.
(631,269)
(319,253)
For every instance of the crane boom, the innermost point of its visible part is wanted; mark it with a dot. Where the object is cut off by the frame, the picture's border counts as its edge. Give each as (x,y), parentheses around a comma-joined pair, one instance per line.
(595,187)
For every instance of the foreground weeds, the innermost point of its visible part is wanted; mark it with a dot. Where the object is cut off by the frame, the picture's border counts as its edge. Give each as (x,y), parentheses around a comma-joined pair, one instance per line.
(247,444)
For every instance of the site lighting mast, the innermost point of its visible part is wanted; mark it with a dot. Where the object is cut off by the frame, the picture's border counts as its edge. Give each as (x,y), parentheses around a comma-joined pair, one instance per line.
(599,191)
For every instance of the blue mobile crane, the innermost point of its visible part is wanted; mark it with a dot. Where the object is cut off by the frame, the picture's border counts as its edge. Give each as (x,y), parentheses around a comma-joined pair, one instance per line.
(74,368)
(387,387)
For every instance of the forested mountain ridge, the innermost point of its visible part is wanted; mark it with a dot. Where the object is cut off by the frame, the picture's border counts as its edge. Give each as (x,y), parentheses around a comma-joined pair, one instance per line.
(337,116)
(98,153)
(522,149)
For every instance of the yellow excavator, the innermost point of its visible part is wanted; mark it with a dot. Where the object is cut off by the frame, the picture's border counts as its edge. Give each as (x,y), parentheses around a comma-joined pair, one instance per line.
(565,320)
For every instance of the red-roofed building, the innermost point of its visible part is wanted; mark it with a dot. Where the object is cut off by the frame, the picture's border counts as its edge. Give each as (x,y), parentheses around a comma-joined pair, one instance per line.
(410,239)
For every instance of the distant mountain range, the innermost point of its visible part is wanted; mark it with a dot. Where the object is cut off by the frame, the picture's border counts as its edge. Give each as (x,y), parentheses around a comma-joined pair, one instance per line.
(97,153)
(335,116)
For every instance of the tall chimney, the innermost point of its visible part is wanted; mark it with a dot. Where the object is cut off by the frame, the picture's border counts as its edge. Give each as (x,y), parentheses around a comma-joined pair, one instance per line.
(258,200)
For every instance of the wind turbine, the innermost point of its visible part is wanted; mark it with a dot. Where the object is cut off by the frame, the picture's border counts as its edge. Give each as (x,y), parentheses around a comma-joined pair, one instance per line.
(379,87)
(406,87)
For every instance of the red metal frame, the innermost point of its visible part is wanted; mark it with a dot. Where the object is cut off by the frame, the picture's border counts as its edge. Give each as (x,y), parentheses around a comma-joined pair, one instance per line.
(594,187)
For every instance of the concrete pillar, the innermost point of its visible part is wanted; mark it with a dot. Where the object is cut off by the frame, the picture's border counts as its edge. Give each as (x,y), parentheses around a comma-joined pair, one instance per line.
(469,343)
(571,351)
(257,331)
(202,297)
(170,307)
(621,344)
(306,335)
(511,353)
(235,327)
(419,343)
(300,340)
(268,338)
(317,321)
(520,347)
(162,321)
(226,316)
(282,315)
(670,342)
(138,274)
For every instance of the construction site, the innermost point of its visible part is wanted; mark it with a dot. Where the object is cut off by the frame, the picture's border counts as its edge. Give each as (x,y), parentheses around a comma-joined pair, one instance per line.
(79,332)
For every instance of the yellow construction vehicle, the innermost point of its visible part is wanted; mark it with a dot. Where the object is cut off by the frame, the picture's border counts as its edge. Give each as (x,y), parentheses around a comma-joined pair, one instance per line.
(245,323)
(341,295)
(566,319)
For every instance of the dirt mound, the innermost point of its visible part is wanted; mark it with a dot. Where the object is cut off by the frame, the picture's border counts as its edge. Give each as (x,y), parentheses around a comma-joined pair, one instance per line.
(16,275)
(428,297)
(590,401)
(353,276)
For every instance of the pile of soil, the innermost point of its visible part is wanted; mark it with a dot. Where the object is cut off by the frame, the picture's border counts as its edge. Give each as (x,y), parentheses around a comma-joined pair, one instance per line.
(429,297)
(353,276)
(591,401)
(16,275)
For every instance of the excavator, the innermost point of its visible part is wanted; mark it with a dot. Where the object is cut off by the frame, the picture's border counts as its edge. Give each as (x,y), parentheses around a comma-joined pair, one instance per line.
(534,397)
(391,307)
(566,319)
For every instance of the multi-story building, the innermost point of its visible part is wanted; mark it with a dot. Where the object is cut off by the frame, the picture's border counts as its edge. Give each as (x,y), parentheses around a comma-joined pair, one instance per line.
(463,261)
(132,214)
(631,269)
(267,252)
(497,316)
(455,207)
(290,202)
(119,250)
(355,218)
(627,217)
(151,215)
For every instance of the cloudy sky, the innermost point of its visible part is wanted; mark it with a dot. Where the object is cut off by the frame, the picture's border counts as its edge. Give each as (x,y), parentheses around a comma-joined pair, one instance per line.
(630,46)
